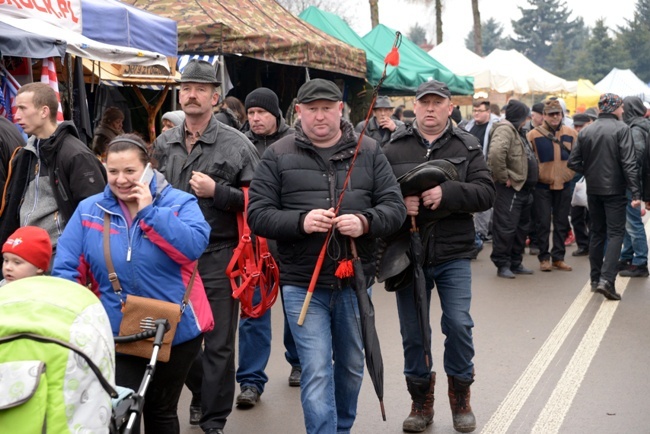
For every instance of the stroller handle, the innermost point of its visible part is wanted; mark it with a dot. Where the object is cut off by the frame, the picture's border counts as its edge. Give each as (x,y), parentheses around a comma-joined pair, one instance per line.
(162,327)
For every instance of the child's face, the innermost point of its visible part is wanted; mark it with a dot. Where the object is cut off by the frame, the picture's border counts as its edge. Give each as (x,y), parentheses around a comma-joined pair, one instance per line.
(14,267)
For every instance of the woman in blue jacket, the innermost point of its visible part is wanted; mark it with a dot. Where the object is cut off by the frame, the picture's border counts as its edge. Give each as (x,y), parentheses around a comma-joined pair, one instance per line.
(157,234)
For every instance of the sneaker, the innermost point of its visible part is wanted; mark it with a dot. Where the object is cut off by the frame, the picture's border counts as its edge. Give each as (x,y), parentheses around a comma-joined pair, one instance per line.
(561,265)
(294,377)
(634,271)
(195,414)
(545,265)
(505,272)
(533,251)
(580,252)
(608,290)
(248,397)
(520,269)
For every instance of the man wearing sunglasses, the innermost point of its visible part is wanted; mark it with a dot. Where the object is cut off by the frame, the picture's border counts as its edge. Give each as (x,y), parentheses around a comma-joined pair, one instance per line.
(552,142)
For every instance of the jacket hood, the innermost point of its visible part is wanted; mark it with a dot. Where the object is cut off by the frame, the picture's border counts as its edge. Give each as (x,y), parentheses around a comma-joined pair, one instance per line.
(49,145)
(640,122)
(634,108)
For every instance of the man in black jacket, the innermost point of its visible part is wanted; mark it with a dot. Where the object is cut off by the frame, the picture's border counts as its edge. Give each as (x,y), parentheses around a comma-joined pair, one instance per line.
(444,218)
(381,125)
(293,198)
(52,173)
(266,127)
(605,155)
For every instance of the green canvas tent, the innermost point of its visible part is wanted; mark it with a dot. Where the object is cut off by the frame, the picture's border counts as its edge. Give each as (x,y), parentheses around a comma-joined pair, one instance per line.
(416,64)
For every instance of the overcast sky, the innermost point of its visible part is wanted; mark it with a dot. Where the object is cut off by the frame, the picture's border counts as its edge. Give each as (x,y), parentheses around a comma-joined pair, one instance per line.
(457,14)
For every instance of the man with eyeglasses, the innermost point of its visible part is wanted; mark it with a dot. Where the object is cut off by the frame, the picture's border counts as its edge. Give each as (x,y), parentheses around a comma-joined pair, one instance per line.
(482,123)
(552,142)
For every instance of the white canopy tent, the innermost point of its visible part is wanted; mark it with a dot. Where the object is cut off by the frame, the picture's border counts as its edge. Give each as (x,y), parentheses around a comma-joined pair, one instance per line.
(79,45)
(462,61)
(511,71)
(624,82)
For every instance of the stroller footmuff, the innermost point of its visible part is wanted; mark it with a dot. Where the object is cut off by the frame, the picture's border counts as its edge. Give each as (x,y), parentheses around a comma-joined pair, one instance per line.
(57,358)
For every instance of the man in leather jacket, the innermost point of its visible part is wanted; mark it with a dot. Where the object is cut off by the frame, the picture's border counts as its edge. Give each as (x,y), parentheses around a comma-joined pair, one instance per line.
(605,155)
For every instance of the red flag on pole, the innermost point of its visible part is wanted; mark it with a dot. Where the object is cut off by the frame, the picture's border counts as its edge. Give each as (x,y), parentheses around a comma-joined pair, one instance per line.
(48,76)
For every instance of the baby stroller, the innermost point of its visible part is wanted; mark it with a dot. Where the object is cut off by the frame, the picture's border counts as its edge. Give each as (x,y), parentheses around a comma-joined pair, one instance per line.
(57,361)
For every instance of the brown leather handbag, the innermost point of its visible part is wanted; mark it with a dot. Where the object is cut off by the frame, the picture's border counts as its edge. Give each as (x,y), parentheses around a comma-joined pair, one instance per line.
(140,313)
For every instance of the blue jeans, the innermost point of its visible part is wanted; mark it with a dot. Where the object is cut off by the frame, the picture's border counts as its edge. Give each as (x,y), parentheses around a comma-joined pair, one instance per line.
(635,243)
(255,348)
(453,279)
(331,356)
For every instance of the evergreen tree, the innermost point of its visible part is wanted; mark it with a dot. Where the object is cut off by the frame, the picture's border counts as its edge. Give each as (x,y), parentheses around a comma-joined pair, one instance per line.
(636,40)
(417,34)
(492,38)
(542,25)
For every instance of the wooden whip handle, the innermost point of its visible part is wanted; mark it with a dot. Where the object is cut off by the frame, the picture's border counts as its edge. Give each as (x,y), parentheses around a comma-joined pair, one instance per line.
(305,306)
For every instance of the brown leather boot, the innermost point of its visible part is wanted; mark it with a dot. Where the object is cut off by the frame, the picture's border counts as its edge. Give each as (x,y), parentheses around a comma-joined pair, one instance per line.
(461,410)
(421,414)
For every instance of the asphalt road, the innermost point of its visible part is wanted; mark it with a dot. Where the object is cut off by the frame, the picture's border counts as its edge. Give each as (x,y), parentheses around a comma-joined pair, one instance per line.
(551,357)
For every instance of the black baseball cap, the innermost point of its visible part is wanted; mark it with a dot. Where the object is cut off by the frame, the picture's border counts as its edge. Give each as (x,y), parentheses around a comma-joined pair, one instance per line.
(581,119)
(432,87)
(319,88)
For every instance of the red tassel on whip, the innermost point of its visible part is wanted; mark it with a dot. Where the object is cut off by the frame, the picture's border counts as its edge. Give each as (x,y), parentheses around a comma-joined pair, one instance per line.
(345,269)
(392,58)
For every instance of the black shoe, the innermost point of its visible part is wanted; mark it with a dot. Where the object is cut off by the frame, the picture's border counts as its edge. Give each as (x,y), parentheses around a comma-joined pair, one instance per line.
(580,252)
(248,397)
(520,269)
(505,272)
(594,285)
(635,271)
(294,377)
(608,290)
(195,414)
(623,265)
(214,431)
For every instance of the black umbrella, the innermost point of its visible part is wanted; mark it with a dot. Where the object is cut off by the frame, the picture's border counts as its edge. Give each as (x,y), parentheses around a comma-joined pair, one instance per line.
(372,350)
(423,177)
(416,254)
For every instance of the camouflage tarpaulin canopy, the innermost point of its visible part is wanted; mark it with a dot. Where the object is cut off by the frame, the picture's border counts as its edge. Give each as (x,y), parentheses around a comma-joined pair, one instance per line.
(261,29)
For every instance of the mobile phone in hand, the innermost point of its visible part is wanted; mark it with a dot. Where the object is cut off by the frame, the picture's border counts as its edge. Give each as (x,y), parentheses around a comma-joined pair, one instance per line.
(147,175)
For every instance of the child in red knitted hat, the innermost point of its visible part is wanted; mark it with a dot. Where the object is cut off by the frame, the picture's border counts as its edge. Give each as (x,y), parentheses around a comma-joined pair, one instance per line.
(27,252)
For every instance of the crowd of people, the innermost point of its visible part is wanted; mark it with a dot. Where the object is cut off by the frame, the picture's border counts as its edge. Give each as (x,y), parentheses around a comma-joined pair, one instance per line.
(314,187)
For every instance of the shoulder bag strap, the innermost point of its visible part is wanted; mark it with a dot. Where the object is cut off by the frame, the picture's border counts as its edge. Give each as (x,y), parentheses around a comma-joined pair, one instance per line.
(112,275)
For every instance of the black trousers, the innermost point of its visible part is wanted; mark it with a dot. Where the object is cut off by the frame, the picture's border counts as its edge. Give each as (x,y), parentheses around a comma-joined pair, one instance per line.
(607,216)
(510,225)
(212,376)
(164,391)
(579,222)
(552,206)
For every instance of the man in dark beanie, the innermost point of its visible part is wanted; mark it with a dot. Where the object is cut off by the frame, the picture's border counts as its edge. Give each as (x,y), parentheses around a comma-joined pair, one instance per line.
(515,172)
(266,127)
(605,155)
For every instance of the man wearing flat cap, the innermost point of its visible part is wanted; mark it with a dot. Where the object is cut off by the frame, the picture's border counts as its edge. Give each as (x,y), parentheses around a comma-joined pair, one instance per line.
(552,142)
(292,200)
(381,125)
(212,161)
(444,218)
(605,155)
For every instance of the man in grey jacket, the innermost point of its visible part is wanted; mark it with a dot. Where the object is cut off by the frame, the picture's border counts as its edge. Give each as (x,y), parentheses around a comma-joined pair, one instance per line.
(212,161)
(604,153)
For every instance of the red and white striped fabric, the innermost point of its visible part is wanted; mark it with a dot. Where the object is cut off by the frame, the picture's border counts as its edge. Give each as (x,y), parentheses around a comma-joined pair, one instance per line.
(48,76)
